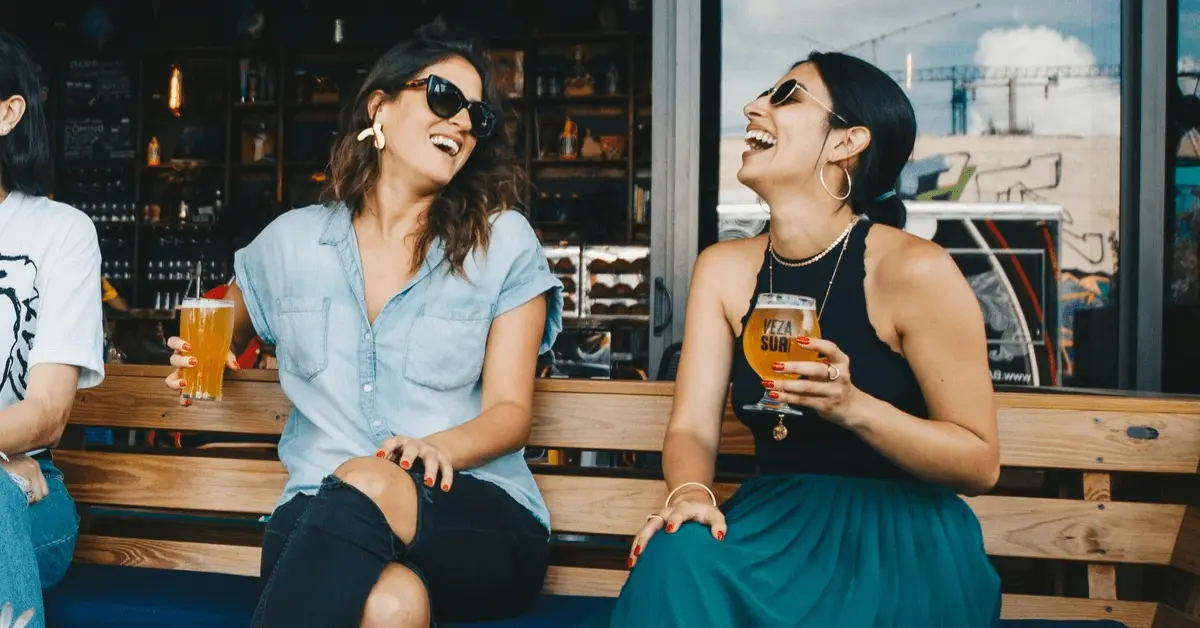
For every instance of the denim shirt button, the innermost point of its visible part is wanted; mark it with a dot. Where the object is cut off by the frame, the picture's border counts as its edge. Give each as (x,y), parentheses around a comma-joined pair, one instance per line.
(368,388)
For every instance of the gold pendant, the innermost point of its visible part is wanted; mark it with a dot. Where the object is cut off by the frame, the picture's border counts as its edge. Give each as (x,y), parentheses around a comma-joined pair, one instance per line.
(780,431)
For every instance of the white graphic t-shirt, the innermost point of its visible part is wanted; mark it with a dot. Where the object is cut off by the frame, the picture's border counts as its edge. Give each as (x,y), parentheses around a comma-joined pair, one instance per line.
(50,309)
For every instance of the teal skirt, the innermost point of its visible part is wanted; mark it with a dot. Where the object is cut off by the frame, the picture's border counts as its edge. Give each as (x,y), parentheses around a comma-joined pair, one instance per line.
(820,551)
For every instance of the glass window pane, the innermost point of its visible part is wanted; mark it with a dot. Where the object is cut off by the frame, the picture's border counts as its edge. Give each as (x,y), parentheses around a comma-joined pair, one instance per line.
(1181,312)
(1018,109)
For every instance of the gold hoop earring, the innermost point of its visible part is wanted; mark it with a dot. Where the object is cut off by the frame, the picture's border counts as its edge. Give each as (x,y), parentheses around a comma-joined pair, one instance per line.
(376,131)
(849,183)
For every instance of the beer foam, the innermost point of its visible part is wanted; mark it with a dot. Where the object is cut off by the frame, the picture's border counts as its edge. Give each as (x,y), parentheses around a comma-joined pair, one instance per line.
(809,305)
(784,301)
(206,304)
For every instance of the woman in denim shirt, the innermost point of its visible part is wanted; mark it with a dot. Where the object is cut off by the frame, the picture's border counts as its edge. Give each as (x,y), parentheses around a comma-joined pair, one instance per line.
(408,313)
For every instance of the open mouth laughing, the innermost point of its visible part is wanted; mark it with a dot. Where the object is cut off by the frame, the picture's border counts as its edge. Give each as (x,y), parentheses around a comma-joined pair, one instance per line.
(446,144)
(758,140)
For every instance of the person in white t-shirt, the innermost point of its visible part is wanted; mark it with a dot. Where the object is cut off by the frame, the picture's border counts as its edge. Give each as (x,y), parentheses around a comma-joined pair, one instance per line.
(51,342)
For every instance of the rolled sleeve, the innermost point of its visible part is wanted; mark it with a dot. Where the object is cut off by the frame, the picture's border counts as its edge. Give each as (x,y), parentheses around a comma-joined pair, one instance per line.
(528,275)
(70,327)
(249,273)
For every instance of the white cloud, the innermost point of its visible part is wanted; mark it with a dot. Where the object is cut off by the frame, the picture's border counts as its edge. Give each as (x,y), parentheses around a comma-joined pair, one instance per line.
(1075,106)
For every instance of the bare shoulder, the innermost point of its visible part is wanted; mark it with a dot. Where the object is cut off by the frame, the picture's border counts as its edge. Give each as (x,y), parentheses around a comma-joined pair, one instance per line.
(729,267)
(906,263)
(725,275)
(731,257)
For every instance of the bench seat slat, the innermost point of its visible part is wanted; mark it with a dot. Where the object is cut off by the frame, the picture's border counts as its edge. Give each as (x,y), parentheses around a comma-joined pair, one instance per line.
(633,417)
(238,560)
(1121,532)
(241,560)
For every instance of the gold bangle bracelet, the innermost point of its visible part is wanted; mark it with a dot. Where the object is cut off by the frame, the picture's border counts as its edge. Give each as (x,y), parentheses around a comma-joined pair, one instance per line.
(706,490)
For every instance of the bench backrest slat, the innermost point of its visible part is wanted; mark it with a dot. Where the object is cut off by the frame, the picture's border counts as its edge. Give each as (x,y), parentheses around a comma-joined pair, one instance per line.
(1152,436)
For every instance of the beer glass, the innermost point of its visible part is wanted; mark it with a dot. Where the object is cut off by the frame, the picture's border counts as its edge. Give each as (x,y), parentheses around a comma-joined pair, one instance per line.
(770,336)
(207,325)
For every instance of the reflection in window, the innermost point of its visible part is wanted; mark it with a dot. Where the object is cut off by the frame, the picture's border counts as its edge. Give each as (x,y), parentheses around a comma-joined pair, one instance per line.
(1181,310)
(1183,268)
(1017,103)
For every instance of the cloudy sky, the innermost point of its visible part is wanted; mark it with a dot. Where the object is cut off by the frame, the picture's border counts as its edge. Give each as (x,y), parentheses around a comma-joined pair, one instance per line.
(761,38)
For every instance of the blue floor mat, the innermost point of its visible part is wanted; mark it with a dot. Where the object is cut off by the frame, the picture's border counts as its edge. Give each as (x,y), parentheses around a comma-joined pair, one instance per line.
(104,596)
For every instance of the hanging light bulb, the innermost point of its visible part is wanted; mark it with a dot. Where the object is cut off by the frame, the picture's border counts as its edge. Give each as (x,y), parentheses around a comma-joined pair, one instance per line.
(175,91)
(908,71)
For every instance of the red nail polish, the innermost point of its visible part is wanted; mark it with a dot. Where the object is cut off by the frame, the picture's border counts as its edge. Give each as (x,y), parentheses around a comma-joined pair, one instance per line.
(630,563)
(637,550)
(183,383)
(720,536)
(381,453)
(773,394)
(428,481)
(404,464)
(768,383)
(826,361)
(445,488)
(187,402)
(670,527)
(187,347)
(803,340)
(192,362)
(777,366)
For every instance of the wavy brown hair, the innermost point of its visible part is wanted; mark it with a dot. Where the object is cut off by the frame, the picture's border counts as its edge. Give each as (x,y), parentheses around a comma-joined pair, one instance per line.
(490,181)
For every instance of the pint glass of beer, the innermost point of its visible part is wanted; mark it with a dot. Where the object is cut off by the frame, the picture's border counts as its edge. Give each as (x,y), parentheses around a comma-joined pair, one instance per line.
(207,325)
(770,336)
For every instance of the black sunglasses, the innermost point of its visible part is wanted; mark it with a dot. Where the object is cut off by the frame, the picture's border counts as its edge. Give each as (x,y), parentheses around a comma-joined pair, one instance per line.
(788,88)
(445,100)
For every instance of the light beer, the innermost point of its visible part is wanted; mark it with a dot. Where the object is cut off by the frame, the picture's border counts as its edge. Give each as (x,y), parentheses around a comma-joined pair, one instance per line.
(207,325)
(770,336)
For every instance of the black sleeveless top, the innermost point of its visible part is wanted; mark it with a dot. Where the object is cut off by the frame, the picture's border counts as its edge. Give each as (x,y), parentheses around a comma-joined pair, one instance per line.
(814,445)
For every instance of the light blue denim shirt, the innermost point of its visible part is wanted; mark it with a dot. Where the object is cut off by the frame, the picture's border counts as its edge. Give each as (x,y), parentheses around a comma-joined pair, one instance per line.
(415,371)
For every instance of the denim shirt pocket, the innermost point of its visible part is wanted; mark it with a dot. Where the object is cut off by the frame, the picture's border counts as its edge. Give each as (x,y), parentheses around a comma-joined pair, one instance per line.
(303,335)
(446,345)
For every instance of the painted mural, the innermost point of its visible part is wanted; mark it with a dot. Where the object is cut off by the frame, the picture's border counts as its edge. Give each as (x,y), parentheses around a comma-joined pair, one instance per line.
(1087,249)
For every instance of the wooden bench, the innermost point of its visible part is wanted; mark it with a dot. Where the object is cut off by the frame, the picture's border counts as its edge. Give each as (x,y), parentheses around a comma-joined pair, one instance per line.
(1098,436)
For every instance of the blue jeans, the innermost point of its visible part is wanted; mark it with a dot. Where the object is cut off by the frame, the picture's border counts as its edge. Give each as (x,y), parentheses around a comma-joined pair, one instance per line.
(36,542)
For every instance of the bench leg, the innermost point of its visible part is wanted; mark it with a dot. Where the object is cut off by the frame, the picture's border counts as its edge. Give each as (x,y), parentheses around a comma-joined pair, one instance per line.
(1102,579)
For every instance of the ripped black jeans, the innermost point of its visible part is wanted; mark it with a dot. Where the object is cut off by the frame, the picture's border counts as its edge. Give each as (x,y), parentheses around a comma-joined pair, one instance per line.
(481,554)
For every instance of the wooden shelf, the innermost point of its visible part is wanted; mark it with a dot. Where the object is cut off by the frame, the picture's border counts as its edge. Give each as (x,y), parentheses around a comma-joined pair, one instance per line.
(579,163)
(599,99)
(580,38)
(181,166)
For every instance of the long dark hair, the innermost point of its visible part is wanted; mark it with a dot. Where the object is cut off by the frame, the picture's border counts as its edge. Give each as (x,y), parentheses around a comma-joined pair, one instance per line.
(491,180)
(25,151)
(866,96)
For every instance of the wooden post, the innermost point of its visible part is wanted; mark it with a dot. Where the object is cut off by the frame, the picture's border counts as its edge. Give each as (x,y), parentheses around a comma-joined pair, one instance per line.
(1102,579)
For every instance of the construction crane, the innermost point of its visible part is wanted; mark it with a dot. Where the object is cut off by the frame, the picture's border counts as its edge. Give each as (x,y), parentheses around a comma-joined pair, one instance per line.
(872,41)
(966,79)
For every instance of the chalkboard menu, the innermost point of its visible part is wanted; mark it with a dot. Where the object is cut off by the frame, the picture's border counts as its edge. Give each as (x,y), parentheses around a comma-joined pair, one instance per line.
(93,82)
(96,139)
(98,119)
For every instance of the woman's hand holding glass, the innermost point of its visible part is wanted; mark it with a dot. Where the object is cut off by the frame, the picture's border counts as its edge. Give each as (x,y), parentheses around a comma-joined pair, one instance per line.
(180,359)
(823,385)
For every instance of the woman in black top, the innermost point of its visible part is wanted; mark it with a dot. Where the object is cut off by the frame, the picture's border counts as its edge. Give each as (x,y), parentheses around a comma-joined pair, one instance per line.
(855,520)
